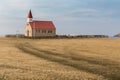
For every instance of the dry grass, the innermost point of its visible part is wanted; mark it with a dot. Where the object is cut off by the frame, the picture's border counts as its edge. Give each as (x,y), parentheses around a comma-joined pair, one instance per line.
(59,59)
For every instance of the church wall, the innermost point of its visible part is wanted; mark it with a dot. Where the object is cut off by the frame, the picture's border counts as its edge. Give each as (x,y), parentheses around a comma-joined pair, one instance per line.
(41,33)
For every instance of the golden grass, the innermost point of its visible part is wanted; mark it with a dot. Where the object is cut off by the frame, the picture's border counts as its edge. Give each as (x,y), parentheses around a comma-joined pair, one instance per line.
(59,59)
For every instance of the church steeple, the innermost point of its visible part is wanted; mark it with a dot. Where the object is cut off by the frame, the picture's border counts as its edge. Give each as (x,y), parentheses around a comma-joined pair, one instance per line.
(29,17)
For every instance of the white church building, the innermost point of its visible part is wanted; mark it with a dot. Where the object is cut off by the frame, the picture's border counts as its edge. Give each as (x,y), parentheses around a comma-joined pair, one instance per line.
(37,28)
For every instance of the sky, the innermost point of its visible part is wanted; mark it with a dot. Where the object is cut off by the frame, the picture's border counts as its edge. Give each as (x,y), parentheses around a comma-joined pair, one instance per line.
(75,17)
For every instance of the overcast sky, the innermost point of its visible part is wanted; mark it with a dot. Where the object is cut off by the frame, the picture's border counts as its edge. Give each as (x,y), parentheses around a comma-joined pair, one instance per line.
(69,16)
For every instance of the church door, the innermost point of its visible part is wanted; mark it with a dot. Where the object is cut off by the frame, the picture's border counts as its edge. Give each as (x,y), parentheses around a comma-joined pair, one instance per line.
(27,33)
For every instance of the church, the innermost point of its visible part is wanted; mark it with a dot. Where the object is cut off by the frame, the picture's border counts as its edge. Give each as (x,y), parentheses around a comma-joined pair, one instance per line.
(37,28)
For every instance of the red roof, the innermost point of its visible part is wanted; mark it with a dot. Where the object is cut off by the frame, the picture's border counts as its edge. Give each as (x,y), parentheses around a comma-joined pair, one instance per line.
(42,25)
(30,14)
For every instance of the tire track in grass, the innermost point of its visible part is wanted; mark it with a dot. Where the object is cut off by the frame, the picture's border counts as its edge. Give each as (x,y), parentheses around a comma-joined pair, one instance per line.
(101,61)
(12,67)
(107,69)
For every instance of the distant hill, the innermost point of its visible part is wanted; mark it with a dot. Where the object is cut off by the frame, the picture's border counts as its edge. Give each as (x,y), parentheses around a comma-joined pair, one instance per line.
(117,35)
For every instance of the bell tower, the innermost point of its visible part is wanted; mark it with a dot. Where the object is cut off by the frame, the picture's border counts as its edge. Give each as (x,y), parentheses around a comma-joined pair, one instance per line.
(29,17)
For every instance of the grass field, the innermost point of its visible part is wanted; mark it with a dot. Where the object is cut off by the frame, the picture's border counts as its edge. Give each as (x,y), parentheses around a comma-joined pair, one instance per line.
(59,59)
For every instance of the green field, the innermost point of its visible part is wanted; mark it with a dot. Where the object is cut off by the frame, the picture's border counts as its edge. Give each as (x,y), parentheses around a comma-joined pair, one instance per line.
(59,59)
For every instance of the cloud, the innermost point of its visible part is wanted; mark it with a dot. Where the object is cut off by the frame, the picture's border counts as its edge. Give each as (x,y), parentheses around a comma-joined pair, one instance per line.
(93,13)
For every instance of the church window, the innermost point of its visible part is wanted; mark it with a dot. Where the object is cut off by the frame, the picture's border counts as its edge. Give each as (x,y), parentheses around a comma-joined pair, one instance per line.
(43,31)
(49,31)
(36,30)
(39,31)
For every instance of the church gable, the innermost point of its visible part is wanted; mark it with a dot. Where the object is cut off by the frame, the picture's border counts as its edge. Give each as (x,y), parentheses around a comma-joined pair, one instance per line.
(28,30)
